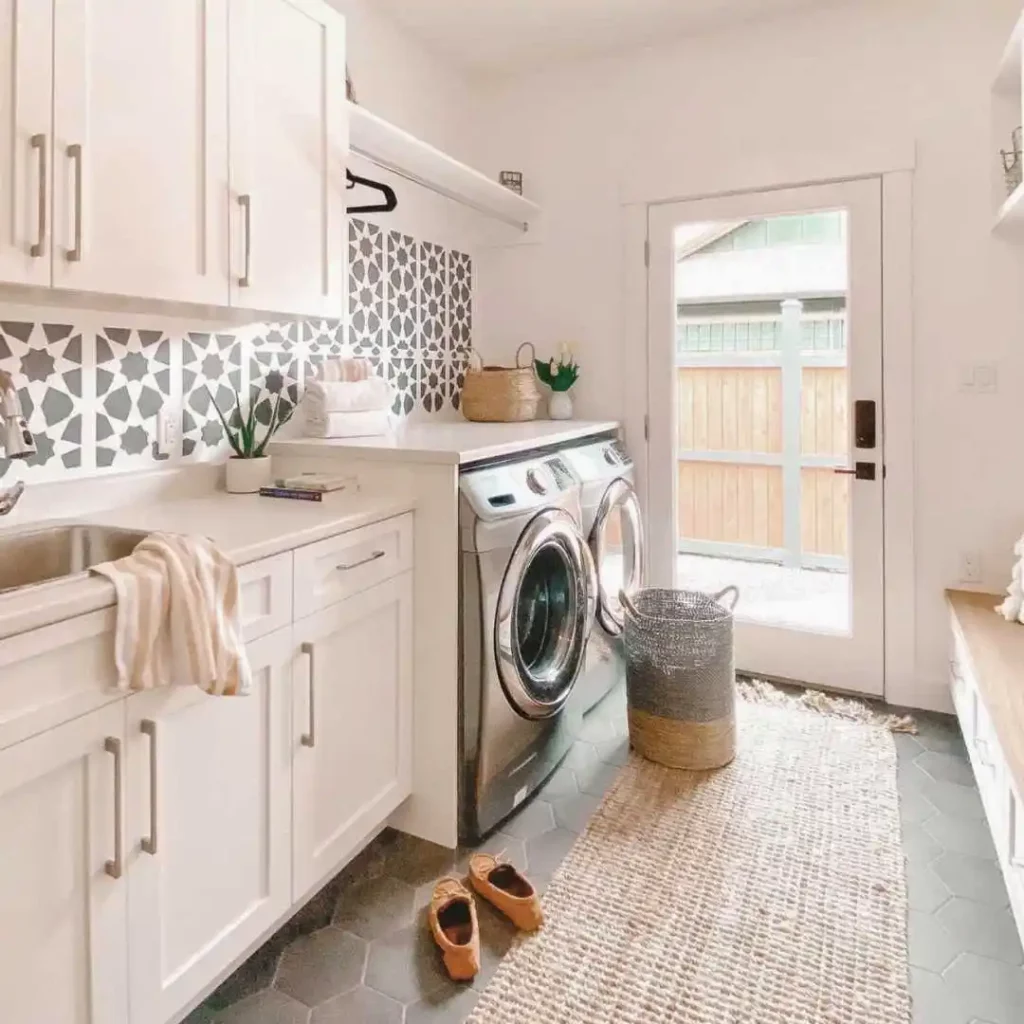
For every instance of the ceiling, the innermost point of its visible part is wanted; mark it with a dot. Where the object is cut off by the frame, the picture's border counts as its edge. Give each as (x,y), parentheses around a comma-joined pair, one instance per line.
(496,37)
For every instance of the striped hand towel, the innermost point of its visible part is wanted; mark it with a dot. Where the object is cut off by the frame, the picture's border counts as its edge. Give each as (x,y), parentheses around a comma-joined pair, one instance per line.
(178,617)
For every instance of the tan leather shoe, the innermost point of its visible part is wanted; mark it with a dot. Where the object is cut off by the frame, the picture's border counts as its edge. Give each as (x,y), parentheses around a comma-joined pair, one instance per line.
(454,924)
(501,884)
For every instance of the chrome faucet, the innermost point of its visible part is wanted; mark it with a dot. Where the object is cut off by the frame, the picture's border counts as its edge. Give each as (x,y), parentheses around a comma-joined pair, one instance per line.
(15,437)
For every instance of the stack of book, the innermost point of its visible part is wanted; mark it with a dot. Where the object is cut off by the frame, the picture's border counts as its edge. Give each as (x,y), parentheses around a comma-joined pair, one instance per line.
(308,486)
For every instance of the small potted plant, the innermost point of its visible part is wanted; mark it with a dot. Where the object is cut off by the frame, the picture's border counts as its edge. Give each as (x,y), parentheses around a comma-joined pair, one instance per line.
(248,469)
(560,377)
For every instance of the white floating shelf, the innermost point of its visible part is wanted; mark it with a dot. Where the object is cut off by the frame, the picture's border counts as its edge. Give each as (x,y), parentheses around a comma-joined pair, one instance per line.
(395,150)
(1010,218)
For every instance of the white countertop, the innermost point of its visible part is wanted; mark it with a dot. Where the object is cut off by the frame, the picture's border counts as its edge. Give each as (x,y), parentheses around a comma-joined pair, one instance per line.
(245,526)
(456,443)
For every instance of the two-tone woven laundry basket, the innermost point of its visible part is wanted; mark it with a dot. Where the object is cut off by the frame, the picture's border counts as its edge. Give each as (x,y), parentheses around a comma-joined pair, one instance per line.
(680,676)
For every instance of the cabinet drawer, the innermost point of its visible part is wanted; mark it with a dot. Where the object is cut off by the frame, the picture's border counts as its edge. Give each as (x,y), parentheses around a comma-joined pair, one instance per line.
(1014,867)
(987,759)
(265,595)
(336,568)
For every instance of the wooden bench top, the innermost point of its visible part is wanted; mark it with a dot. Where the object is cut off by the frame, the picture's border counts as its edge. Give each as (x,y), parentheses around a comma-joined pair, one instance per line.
(996,649)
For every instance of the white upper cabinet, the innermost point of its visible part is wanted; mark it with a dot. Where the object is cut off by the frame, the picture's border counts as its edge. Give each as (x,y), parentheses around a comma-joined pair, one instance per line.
(289,148)
(209,816)
(140,148)
(26,145)
(63,945)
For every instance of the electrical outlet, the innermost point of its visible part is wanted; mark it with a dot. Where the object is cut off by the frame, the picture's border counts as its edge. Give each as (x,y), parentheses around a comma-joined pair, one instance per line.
(979,378)
(970,567)
(167,432)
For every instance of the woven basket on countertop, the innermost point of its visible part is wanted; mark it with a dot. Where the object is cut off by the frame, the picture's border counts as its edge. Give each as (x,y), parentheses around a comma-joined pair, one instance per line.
(501,394)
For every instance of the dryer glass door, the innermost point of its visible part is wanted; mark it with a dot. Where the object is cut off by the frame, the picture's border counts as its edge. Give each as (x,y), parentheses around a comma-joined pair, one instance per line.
(617,542)
(544,615)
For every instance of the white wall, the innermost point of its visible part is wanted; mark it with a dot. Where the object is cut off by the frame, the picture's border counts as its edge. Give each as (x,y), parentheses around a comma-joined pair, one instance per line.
(836,81)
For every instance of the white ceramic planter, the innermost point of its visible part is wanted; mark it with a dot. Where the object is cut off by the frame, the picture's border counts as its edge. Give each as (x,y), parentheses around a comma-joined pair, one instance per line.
(246,476)
(560,405)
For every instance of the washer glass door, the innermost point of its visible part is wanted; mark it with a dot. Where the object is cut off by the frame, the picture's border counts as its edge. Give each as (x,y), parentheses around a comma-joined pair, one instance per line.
(544,615)
(617,543)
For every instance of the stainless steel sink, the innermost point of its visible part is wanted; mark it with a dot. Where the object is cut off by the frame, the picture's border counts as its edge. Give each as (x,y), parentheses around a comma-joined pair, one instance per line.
(47,554)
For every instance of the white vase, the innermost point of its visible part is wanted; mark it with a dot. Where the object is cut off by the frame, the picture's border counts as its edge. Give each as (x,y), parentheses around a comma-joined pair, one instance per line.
(560,405)
(246,476)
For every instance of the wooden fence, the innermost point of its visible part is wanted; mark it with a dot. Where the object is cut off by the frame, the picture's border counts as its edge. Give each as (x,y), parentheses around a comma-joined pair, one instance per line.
(761,431)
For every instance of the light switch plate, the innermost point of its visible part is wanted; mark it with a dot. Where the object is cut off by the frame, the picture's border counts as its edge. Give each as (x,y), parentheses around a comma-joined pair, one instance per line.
(167,432)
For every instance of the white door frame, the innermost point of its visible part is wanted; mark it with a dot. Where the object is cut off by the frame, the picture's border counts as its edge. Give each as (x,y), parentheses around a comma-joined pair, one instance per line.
(901,686)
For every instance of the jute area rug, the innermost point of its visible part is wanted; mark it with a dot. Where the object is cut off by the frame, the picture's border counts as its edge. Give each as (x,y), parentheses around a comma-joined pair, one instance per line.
(769,892)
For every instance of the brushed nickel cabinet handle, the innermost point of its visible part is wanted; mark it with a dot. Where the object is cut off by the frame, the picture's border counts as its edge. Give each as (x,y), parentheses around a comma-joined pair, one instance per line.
(115,867)
(362,561)
(39,246)
(309,738)
(245,202)
(74,153)
(149,844)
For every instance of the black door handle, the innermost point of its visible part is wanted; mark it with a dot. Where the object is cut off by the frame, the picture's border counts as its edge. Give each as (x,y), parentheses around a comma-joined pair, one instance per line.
(860,471)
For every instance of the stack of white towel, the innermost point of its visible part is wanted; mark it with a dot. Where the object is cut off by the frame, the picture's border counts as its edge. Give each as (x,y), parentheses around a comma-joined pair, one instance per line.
(347,400)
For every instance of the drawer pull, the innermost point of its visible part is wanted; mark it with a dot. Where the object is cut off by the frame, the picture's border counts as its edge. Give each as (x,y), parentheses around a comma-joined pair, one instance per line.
(362,561)
(74,153)
(308,739)
(38,142)
(115,867)
(149,844)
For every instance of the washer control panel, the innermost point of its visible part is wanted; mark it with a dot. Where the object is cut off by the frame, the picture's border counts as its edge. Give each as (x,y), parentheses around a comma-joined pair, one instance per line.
(498,491)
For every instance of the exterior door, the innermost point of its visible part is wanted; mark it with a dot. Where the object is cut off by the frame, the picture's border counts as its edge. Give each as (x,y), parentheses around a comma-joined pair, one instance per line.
(766,439)
(209,815)
(352,725)
(26,141)
(289,148)
(63,945)
(140,152)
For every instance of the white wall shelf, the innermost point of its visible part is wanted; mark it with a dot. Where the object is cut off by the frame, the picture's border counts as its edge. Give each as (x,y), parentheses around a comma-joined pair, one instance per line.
(1010,218)
(395,150)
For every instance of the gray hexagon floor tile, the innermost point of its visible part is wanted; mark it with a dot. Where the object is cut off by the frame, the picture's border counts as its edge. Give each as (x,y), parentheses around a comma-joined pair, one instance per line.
(930,945)
(597,728)
(320,966)
(454,1008)
(375,907)
(925,889)
(931,999)
(546,853)
(918,845)
(974,878)
(907,746)
(361,1005)
(266,1007)
(581,757)
(970,838)
(985,988)
(940,733)
(598,779)
(533,819)
(615,751)
(915,806)
(982,930)
(561,782)
(406,965)
(573,812)
(416,861)
(954,800)
(945,767)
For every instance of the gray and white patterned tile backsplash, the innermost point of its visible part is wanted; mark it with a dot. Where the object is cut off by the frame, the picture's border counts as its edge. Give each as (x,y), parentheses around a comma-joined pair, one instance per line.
(92,388)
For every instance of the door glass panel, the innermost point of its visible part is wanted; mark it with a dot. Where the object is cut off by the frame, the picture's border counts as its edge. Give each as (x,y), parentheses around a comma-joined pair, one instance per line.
(545,627)
(619,560)
(762,416)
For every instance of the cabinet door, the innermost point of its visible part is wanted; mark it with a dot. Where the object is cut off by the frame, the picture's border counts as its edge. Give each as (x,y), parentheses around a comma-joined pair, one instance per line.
(26,150)
(289,147)
(352,725)
(63,944)
(208,829)
(140,161)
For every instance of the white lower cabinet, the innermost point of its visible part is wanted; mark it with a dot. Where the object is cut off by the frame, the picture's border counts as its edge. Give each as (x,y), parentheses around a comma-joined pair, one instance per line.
(63,943)
(209,801)
(352,723)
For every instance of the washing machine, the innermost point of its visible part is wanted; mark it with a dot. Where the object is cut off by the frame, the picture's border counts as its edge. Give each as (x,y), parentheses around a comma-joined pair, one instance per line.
(528,595)
(612,523)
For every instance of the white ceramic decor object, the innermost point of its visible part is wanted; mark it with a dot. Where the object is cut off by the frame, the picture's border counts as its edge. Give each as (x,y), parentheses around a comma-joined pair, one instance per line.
(560,405)
(246,476)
